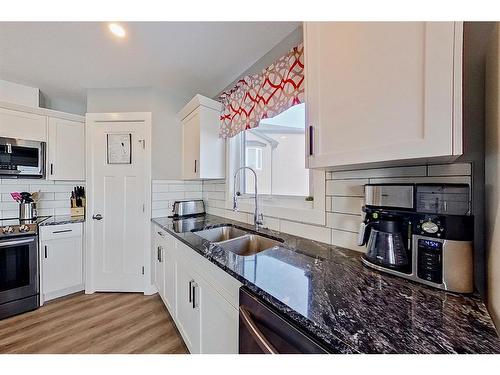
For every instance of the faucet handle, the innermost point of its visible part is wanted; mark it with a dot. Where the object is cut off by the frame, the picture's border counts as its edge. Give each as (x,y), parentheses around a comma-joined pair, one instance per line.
(260,219)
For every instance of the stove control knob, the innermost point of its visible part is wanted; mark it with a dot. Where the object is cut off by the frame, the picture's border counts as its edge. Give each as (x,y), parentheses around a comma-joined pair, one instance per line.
(7,229)
(24,228)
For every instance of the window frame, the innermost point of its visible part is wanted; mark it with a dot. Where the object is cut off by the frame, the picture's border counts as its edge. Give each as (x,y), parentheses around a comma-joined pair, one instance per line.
(295,209)
(269,197)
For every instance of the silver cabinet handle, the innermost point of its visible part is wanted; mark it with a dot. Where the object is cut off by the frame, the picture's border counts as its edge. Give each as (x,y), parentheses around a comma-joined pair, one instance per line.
(195,165)
(45,248)
(97,217)
(256,333)
(161,234)
(51,168)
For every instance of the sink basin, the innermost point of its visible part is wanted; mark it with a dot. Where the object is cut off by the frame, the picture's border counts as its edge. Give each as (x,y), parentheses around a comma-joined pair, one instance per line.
(249,244)
(219,234)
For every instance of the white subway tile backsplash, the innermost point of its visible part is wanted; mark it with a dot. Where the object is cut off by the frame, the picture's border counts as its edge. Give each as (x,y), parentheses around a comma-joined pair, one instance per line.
(348,240)
(347,205)
(343,222)
(9,188)
(349,188)
(54,196)
(321,234)
(165,196)
(165,192)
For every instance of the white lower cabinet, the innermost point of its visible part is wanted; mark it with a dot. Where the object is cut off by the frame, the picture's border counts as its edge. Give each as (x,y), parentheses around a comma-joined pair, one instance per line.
(201,298)
(188,310)
(219,323)
(61,260)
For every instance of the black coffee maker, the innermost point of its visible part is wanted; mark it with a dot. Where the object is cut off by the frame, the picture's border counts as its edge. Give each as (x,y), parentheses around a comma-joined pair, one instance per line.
(421,232)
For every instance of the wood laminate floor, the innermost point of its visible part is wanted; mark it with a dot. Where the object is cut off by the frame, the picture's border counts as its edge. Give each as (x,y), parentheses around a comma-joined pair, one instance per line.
(95,323)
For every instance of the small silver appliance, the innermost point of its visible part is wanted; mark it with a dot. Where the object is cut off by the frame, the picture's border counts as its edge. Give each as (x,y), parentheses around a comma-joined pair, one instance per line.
(422,232)
(21,158)
(186,208)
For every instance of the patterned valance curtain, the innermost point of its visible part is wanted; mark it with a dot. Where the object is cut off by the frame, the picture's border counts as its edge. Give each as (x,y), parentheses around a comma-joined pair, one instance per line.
(264,95)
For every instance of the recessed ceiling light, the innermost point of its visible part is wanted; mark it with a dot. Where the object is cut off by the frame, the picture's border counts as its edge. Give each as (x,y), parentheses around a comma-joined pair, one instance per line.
(117,30)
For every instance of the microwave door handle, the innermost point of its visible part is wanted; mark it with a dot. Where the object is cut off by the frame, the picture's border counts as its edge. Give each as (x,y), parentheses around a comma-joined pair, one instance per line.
(256,333)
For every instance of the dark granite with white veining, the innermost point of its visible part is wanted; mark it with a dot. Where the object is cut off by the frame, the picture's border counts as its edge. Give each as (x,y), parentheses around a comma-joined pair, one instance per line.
(327,291)
(61,219)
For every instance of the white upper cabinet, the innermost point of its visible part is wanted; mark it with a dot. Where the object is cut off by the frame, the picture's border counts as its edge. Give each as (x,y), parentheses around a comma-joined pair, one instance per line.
(382,92)
(203,152)
(66,150)
(22,125)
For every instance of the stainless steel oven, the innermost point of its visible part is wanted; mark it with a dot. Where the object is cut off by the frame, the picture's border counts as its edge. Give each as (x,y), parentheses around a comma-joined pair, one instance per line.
(22,158)
(19,284)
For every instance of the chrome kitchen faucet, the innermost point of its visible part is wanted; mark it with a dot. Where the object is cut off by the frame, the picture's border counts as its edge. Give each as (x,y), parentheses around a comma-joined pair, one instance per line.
(257,219)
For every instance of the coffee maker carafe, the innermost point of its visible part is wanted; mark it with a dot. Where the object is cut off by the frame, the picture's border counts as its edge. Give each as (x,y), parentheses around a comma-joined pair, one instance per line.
(387,245)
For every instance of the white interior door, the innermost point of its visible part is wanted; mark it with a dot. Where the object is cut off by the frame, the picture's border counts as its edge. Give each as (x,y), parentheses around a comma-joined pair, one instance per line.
(118,212)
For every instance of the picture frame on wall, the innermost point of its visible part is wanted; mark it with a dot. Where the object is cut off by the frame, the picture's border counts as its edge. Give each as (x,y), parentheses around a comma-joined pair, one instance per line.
(119,148)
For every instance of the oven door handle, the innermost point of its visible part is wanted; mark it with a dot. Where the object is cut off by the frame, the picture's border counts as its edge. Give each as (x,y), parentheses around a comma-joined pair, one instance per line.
(256,333)
(20,242)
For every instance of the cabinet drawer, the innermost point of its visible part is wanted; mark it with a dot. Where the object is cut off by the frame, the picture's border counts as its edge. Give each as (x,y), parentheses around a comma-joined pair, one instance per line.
(53,232)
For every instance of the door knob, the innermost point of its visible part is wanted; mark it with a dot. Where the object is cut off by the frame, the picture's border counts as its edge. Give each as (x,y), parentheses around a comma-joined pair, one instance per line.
(97,217)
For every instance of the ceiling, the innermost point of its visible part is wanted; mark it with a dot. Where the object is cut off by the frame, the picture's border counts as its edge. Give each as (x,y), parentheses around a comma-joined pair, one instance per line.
(63,59)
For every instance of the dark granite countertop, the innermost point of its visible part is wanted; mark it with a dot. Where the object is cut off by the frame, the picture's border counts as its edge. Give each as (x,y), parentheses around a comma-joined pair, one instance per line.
(61,219)
(327,292)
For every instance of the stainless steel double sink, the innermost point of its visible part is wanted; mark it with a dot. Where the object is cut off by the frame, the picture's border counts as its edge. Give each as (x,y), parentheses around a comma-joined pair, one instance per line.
(238,240)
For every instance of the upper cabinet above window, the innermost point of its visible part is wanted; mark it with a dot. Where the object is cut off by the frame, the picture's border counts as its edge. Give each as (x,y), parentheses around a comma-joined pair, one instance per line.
(382,92)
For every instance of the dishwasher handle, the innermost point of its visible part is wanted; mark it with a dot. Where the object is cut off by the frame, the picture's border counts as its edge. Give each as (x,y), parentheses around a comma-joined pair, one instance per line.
(256,333)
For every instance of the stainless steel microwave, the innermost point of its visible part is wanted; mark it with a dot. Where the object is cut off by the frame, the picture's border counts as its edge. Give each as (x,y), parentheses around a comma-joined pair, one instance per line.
(21,158)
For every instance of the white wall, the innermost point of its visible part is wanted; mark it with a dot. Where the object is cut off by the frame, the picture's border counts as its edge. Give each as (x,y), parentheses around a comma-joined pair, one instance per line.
(166,129)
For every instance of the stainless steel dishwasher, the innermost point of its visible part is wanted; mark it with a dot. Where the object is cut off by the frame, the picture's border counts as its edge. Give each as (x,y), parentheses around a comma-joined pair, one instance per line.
(264,331)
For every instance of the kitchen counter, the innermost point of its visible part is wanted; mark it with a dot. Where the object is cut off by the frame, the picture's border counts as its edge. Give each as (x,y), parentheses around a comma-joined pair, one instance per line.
(350,308)
(61,219)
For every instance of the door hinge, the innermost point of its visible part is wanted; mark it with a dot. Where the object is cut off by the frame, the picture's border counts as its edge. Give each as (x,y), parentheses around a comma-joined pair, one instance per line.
(143,142)
(143,270)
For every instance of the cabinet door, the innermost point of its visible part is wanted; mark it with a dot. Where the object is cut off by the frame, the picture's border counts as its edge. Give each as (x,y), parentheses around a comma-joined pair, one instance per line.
(66,150)
(219,323)
(169,274)
(22,125)
(381,91)
(191,145)
(62,266)
(188,307)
